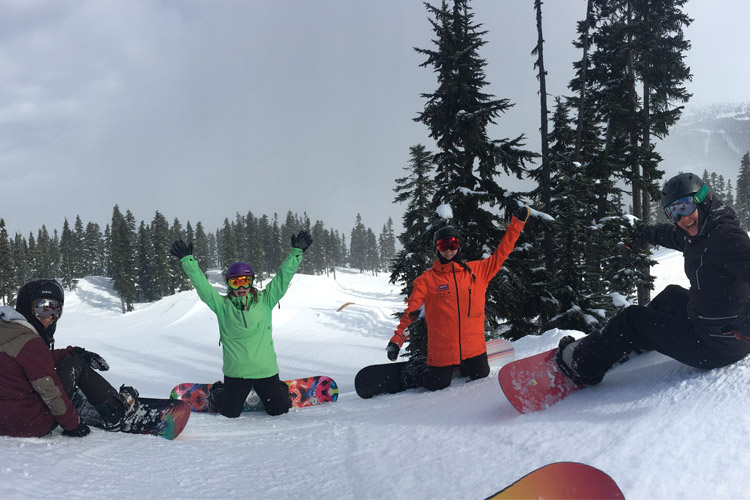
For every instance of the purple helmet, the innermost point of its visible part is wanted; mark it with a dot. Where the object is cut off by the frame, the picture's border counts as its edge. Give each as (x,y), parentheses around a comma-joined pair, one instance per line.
(239,268)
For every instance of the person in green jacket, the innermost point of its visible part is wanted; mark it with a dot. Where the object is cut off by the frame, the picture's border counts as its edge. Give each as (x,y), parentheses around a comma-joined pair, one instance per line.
(244,316)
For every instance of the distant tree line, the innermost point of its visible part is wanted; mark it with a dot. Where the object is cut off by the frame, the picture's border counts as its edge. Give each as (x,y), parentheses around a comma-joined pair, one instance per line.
(135,255)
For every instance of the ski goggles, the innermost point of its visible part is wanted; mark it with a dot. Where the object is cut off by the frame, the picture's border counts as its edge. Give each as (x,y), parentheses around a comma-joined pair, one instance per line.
(449,243)
(47,308)
(680,208)
(236,282)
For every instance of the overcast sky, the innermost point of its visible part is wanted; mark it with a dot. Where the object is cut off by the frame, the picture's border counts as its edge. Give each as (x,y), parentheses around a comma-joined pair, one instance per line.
(202,109)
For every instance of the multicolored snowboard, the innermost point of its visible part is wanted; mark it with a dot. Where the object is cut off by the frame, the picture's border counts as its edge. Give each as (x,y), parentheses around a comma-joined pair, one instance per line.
(303,392)
(387,378)
(562,480)
(535,383)
(160,417)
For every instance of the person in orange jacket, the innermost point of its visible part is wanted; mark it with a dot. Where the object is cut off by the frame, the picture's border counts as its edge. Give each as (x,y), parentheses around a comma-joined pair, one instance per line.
(453,294)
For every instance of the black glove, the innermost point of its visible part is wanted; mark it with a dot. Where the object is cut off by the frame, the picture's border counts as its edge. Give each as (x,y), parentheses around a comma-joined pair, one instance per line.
(521,213)
(392,351)
(302,240)
(93,359)
(180,249)
(78,432)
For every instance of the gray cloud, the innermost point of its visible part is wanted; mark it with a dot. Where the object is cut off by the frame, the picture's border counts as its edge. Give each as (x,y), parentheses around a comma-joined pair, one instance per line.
(204,109)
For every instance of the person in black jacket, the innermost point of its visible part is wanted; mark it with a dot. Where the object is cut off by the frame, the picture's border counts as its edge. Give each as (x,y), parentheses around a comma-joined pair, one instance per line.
(707,326)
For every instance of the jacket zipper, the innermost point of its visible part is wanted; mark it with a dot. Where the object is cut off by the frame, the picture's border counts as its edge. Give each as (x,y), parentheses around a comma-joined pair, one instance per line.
(458,313)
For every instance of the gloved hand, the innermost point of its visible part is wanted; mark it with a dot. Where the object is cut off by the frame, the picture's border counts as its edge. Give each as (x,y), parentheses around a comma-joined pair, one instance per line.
(392,351)
(180,249)
(78,432)
(521,213)
(302,240)
(93,359)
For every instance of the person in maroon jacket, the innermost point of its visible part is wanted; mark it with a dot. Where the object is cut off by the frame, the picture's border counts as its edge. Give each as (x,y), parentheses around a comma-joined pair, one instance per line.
(38,381)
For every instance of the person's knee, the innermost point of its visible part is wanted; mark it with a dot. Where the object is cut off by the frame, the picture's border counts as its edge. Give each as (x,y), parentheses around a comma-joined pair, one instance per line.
(437,380)
(230,413)
(480,372)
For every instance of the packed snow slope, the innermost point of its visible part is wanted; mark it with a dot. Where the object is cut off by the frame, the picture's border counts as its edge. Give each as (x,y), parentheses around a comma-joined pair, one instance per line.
(660,429)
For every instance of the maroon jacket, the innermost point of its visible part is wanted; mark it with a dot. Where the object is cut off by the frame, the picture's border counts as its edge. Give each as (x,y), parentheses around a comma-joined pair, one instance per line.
(32,399)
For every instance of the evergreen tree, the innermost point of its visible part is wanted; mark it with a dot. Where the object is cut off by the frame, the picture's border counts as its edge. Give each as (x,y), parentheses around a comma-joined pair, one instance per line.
(161,264)
(22,259)
(79,266)
(213,250)
(260,263)
(92,249)
(200,248)
(176,276)
(276,254)
(227,245)
(7,272)
(68,252)
(147,280)
(416,190)
(742,198)
(358,245)
(122,251)
(372,255)
(387,245)
(316,254)
(468,162)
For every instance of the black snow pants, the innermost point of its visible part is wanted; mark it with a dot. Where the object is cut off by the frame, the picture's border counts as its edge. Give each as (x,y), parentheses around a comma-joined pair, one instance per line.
(272,391)
(76,374)
(662,326)
(439,377)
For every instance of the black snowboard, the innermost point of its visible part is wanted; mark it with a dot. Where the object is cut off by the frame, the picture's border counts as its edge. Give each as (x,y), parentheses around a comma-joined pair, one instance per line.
(381,379)
(390,378)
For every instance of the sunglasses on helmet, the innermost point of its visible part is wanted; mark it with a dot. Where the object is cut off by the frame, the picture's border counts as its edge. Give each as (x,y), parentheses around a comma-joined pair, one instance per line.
(236,282)
(680,208)
(449,243)
(47,308)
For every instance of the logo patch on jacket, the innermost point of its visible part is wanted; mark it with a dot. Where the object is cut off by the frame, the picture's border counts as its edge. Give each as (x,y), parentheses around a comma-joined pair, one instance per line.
(442,288)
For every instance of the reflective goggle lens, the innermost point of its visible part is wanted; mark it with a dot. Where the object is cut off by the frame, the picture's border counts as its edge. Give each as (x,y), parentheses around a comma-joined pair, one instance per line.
(450,243)
(240,282)
(680,208)
(47,308)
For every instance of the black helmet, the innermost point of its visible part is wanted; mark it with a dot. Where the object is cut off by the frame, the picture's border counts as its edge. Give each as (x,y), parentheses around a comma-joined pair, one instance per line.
(49,289)
(683,185)
(446,232)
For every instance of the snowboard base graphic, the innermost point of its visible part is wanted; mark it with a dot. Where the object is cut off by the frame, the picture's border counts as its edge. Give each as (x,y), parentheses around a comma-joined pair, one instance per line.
(160,417)
(303,392)
(562,480)
(535,383)
(388,378)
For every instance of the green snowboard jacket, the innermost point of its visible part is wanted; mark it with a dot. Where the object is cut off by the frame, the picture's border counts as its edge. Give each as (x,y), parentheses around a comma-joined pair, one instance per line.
(245,324)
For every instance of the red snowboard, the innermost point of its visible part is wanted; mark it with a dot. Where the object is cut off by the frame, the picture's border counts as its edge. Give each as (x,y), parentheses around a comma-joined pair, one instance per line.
(535,383)
(563,480)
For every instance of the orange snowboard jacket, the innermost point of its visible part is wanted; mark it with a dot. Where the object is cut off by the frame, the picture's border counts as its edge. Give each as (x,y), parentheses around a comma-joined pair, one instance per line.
(453,301)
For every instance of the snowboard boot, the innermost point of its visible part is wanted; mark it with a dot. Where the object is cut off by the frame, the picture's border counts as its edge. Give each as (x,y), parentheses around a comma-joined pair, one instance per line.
(412,375)
(216,397)
(127,421)
(565,358)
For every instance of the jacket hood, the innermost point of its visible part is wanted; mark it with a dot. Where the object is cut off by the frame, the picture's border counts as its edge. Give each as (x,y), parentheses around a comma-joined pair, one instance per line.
(23,305)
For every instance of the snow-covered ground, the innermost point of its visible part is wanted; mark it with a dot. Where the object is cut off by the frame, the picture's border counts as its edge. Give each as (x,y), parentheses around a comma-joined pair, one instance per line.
(660,429)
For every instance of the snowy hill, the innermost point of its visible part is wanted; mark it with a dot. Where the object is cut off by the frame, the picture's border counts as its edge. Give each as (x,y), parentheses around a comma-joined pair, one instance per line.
(711,138)
(660,429)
